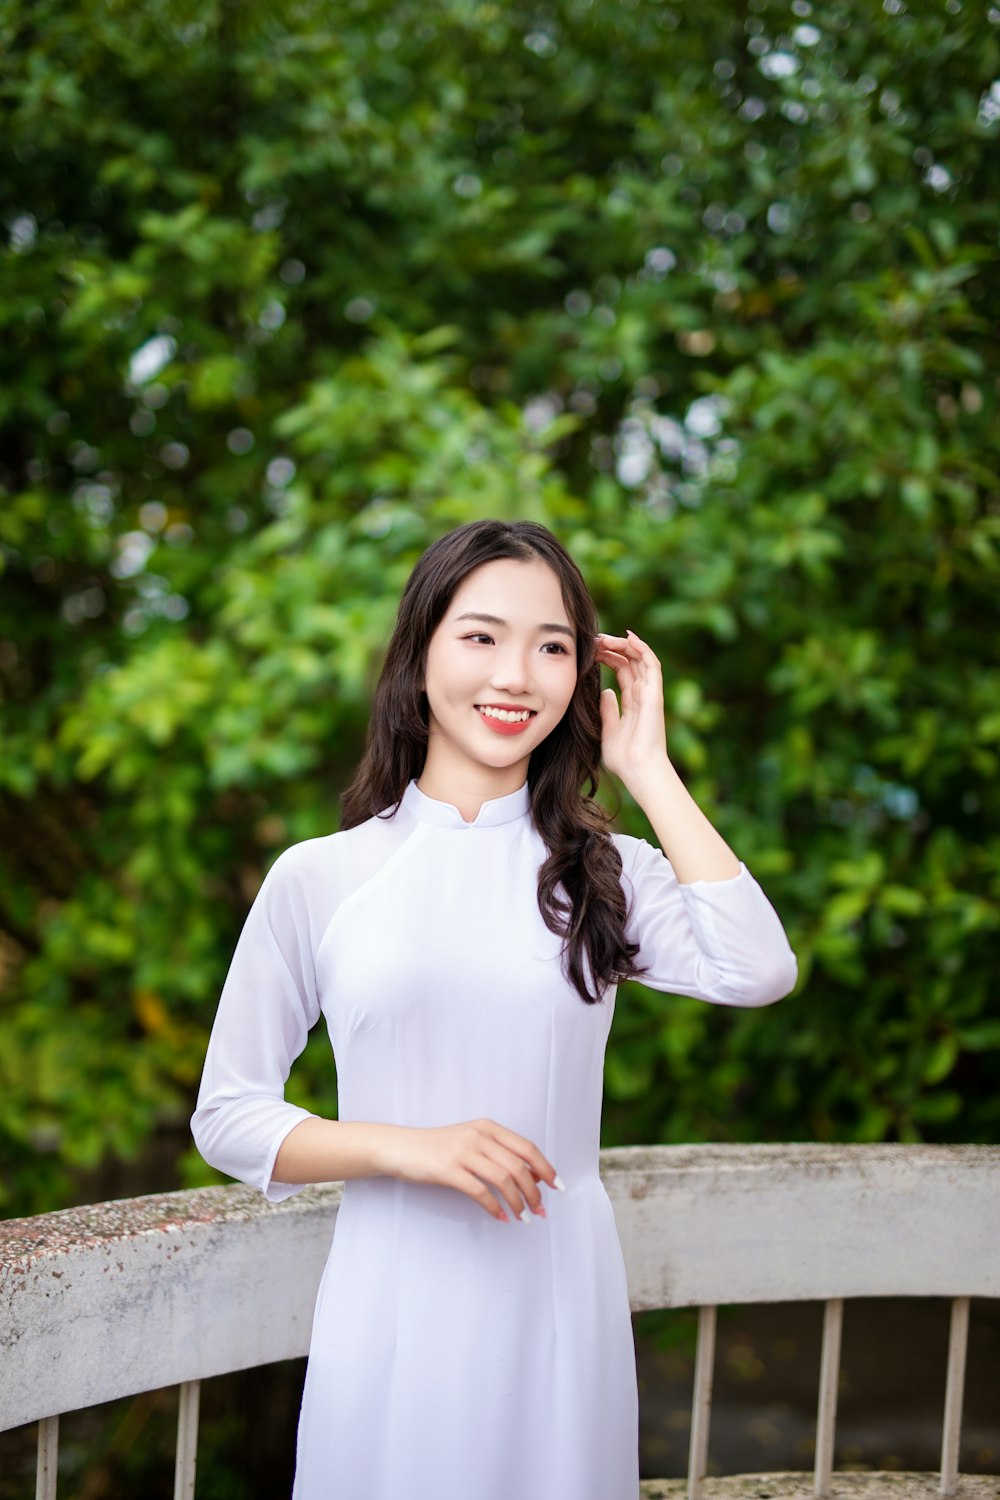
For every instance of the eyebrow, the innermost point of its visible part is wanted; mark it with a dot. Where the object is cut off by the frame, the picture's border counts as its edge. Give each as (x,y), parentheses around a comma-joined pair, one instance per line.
(495,620)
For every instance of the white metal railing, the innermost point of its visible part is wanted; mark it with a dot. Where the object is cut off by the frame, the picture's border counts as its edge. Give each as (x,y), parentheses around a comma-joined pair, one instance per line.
(113,1299)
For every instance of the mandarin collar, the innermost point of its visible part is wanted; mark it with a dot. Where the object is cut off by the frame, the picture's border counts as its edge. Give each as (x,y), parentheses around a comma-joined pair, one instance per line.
(446,815)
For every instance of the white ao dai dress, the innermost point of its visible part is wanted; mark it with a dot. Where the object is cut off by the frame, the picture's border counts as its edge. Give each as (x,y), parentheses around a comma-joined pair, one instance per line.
(454,1357)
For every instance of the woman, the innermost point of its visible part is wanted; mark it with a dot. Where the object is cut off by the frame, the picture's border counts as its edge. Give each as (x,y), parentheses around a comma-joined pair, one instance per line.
(463,935)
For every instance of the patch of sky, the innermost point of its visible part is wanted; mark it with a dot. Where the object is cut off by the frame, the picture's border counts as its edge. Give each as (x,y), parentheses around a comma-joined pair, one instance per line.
(704,416)
(359,309)
(899,801)
(270,216)
(174,455)
(272,315)
(22,231)
(156,396)
(938,177)
(541,411)
(86,604)
(153,515)
(778,65)
(134,548)
(989,104)
(541,43)
(150,358)
(467,185)
(658,262)
(280,472)
(647,439)
(577,303)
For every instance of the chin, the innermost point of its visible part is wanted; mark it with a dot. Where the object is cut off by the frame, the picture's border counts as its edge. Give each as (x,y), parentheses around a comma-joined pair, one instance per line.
(503,757)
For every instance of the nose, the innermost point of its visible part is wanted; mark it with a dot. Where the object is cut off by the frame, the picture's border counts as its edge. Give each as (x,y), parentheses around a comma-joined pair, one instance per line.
(512,669)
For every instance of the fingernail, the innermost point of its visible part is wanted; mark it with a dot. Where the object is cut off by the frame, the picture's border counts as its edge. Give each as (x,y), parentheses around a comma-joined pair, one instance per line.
(540,1211)
(525,1215)
(558,1182)
(504,1218)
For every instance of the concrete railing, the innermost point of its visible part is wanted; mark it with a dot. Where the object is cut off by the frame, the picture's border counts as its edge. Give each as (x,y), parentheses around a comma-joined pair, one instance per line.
(110,1300)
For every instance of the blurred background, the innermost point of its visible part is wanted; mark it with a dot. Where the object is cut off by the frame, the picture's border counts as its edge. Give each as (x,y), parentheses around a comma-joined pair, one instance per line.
(289,289)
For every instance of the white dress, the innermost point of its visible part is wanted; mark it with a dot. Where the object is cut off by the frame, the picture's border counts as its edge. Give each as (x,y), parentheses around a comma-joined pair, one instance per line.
(454,1357)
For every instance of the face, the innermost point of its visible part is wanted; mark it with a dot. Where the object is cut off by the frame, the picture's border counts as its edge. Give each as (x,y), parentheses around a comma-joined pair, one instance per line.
(505,648)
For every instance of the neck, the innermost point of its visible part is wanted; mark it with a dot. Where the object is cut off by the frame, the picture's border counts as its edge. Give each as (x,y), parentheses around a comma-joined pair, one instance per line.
(468,787)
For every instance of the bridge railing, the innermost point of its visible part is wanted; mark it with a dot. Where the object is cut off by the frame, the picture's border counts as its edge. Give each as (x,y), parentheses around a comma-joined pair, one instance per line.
(116,1298)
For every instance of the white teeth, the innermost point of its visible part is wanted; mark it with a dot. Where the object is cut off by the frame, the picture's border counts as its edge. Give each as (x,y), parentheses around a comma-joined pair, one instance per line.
(505,715)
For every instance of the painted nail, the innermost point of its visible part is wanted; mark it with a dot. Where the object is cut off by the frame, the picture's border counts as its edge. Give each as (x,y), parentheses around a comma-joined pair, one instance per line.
(540,1211)
(525,1215)
(504,1218)
(558,1182)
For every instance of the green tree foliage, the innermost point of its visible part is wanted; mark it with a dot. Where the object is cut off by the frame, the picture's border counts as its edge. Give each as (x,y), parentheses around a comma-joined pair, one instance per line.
(289,289)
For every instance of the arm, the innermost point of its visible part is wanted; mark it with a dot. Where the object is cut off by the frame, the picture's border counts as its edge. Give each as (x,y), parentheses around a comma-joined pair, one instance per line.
(267,1007)
(634,748)
(471,1157)
(704,925)
(695,849)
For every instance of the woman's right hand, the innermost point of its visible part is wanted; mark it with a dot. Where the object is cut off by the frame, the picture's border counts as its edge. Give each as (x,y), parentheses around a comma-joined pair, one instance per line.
(472,1157)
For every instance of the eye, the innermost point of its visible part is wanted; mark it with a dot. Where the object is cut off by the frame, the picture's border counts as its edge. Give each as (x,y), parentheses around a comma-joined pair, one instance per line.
(557,645)
(478,635)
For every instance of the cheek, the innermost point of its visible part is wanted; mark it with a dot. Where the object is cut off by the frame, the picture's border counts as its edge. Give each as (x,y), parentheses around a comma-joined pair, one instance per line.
(452,679)
(565,697)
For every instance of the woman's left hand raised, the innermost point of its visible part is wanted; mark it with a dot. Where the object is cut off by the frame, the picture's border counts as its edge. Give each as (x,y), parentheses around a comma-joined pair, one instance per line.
(634,739)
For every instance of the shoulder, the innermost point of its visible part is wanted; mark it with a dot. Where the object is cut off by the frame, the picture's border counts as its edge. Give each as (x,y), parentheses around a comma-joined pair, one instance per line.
(303,857)
(317,859)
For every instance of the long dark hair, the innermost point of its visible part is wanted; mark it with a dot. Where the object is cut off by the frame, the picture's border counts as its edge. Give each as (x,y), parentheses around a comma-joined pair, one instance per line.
(563,771)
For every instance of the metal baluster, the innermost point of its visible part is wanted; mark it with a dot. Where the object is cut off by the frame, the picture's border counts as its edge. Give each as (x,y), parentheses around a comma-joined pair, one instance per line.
(187,1440)
(48,1459)
(958,1339)
(701,1406)
(829,1375)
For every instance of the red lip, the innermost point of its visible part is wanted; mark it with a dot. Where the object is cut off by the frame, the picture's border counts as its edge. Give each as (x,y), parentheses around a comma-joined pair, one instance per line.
(499,726)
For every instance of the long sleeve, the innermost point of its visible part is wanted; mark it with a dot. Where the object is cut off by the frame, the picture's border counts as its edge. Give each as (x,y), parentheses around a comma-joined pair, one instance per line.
(267,1007)
(718,940)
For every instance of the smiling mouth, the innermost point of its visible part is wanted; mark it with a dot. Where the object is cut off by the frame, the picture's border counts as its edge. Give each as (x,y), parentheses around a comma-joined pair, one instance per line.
(506,715)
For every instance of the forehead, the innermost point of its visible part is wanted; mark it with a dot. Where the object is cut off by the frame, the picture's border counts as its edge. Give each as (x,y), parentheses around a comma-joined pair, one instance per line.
(513,590)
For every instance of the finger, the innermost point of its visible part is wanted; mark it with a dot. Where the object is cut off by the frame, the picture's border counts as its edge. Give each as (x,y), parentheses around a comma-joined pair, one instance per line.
(610,717)
(645,653)
(473,1187)
(527,1182)
(633,647)
(627,682)
(517,1184)
(509,1183)
(610,642)
(617,661)
(623,658)
(528,1153)
(643,663)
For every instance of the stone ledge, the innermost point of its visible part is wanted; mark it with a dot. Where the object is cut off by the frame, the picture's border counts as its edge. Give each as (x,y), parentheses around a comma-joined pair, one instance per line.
(873,1485)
